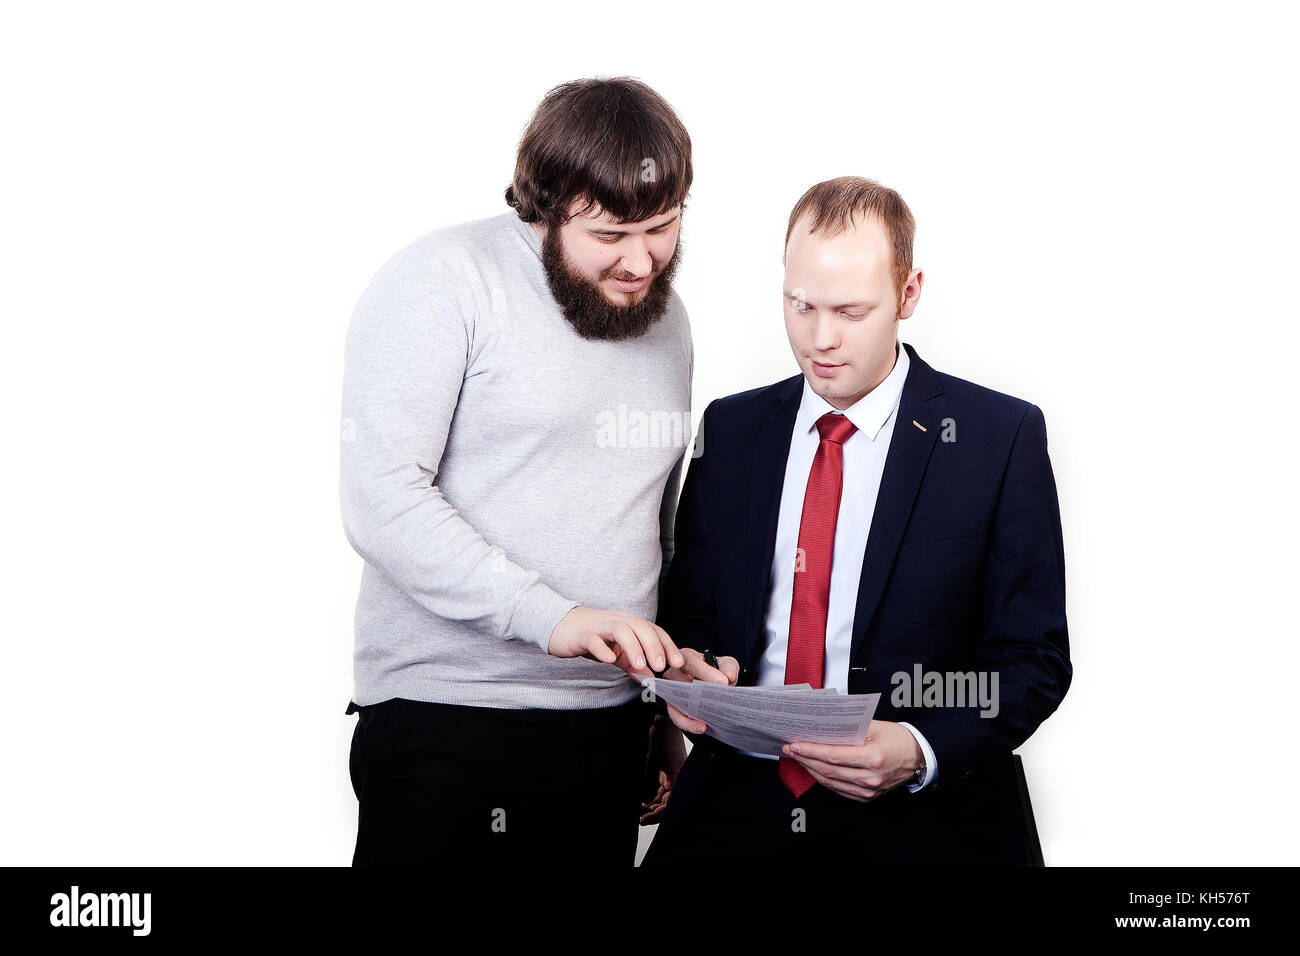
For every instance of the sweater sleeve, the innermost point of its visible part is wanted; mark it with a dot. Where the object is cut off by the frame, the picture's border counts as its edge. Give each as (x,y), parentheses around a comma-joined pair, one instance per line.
(407,348)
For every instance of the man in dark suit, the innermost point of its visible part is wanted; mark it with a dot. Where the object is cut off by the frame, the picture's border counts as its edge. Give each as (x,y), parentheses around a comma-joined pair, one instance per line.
(871,525)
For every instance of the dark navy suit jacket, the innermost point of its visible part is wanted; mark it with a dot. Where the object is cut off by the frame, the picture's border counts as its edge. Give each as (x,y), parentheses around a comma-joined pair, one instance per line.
(964,571)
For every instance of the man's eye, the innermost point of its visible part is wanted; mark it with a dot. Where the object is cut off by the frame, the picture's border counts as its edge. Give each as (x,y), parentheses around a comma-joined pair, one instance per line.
(852,315)
(609,239)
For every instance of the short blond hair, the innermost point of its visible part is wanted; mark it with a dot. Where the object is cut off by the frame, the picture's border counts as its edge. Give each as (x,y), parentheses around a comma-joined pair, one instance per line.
(833,205)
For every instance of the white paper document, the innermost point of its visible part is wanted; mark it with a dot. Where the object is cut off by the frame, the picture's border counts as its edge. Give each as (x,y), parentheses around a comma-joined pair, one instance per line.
(761,719)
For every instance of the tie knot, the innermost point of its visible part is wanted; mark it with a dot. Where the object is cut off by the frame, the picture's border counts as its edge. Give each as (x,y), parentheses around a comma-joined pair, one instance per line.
(836,428)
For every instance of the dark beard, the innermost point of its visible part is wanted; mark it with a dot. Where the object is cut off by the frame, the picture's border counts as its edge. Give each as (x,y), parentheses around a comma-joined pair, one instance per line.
(591,314)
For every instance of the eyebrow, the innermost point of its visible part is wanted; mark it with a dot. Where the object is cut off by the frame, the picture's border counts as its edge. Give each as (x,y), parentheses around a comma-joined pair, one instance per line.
(846,305)
(606,231)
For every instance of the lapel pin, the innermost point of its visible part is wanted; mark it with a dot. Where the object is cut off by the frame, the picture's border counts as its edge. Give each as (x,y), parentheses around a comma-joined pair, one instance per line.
(918,424)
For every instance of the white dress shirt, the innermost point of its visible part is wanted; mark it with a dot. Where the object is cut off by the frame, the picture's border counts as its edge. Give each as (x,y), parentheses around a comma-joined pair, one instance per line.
(864,463)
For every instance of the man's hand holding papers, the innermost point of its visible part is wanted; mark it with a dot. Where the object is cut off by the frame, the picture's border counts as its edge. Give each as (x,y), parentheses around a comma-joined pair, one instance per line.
(696,668)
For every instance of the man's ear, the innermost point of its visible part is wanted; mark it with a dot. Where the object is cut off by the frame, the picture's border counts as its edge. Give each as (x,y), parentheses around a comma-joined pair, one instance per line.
(916,278)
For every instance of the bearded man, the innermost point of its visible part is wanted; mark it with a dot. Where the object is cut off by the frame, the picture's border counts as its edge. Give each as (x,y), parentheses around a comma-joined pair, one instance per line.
(514,542)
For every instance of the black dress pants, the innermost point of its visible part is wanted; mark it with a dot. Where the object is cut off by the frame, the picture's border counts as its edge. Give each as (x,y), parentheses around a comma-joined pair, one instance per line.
(482,786)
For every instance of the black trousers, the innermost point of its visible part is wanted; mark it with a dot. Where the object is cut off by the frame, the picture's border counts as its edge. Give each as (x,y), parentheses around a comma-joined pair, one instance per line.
(482,786)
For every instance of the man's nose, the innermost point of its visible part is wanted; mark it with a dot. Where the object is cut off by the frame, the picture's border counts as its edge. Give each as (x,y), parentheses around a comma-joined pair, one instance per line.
(825,336)
(637,261)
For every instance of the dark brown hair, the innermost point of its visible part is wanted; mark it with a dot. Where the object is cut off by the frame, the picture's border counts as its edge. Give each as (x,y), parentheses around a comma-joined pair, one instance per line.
(615,142)
(834,204)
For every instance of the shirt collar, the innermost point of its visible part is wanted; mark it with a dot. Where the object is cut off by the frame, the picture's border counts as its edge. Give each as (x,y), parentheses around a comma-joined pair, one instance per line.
(869,413)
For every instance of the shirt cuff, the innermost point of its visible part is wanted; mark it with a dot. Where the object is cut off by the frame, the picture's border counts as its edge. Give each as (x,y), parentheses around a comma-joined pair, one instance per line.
(931,763)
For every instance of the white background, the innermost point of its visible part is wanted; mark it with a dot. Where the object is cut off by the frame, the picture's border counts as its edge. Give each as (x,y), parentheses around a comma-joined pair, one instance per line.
(195,195)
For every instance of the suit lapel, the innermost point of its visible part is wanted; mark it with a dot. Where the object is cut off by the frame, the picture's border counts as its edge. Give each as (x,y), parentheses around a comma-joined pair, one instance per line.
(766,478)
(905,464)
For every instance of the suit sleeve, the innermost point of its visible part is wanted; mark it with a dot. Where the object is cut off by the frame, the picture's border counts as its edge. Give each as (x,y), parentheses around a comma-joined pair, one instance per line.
(1023,639)
(668,519)
(687,608)
(668,508)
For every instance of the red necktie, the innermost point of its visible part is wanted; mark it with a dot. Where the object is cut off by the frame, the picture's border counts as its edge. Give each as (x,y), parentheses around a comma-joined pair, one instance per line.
(805,654)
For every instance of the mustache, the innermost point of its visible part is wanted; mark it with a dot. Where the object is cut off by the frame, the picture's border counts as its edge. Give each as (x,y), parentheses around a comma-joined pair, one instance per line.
(653,272)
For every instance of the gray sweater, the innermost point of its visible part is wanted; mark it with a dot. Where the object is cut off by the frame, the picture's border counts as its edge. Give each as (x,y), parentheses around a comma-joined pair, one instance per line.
(497,469)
